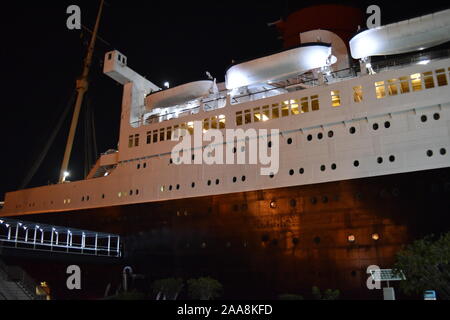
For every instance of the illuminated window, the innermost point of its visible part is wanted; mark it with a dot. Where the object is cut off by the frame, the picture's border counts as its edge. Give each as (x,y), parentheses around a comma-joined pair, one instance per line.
(190,127)
(285,109)
(314,103)
(155,136)
(380,89)
(357,94)
(392,87)
(130,141)
(162,188)
(265,113)
(404,85)
(222,121)
(335,98)
(239,118)
(206,123)
(428,80)
(149,137)
(169,133)
(376,236)
(162,135)
(416,82)
(351,238)
(275,111)
(256,114)
(136,140)
(441,77)
(305,104)
(248,116)
(295,107)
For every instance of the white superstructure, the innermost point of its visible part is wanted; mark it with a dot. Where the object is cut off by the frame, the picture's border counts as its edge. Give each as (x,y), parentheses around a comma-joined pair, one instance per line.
(337,128)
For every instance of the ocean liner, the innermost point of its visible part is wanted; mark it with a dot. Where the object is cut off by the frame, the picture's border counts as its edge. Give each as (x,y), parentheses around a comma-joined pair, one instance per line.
(364,147)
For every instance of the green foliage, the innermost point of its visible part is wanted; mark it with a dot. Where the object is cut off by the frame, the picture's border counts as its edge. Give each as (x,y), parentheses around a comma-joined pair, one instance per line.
(289,296)
(204,288)
(426,265)
(167,289)
(329,294)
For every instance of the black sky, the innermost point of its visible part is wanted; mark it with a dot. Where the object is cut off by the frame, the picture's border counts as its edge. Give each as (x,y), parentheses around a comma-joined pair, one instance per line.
(175,41)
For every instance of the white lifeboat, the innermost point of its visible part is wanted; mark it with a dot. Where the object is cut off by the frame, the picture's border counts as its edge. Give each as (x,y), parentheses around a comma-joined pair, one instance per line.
(401,37)
(279,66)
(178,95)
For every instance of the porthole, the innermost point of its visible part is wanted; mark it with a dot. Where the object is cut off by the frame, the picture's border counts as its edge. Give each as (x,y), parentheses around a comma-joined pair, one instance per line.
(217,181)
(273,204)
(351,238)
(170,161)
(88,198)
(392,158)
(387,124)
(271,175)
(443,152)
(243,178)
(430,153)
(302,171)
(375,126)
(436,116)
(424,118)
(170,188)
(139,166)
(323,168)
(330,134)
(209,182)
(380,160)
(320,136)
(352,130)
(333,166)
(293,203)
(234,179)
(103,196)
(234,150)
(295,241)
(193,185)
(269,144)
(82,199)
(356,163)
(193,157)
(145,165)
(291,172)
(137,192)
(375,237)
(325,199)
(289,141)
(178,187)
(309,138)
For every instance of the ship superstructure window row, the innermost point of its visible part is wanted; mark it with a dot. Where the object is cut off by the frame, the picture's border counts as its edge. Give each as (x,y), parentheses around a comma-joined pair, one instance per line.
(412,83)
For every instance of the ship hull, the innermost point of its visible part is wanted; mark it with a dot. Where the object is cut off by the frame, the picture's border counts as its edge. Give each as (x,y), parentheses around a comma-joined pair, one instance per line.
(269,242)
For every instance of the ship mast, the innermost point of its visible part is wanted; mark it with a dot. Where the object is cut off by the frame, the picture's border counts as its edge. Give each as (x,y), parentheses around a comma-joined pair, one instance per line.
(82,86)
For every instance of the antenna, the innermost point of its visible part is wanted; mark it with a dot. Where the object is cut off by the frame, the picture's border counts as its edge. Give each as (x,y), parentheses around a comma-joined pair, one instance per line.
(82,87)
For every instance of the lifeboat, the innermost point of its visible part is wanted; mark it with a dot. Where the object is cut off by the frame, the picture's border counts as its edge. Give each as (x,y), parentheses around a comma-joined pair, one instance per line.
(402,37)
(279,66)
(179,95)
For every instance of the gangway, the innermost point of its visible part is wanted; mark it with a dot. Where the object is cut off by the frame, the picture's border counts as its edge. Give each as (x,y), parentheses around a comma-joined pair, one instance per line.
(25,235)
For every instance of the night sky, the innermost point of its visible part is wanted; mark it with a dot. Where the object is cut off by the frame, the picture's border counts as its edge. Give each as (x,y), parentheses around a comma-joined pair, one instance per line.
(175,41)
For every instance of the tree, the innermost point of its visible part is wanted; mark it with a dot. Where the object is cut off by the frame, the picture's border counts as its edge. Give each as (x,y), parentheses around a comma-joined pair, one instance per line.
(204,288)
(329,294)
(426,266)
(167,289)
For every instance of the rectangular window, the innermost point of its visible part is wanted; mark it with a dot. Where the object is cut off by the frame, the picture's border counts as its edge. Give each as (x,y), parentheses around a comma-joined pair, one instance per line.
(380,89)
(392,87)
(275,111)
(441,77)
(136,140)
(248,116)
(222,121)
(305,104)
(239,118)
(416,82)
(130,141)
(149,137)
(357,94)
(169,133)
(206,124)
(315,103)
(162,135)
(295,107)
(428,80)
(265,113)
(404,85)
(285,108)
(335,98)
(213,122)
(256,114)
(155,136)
